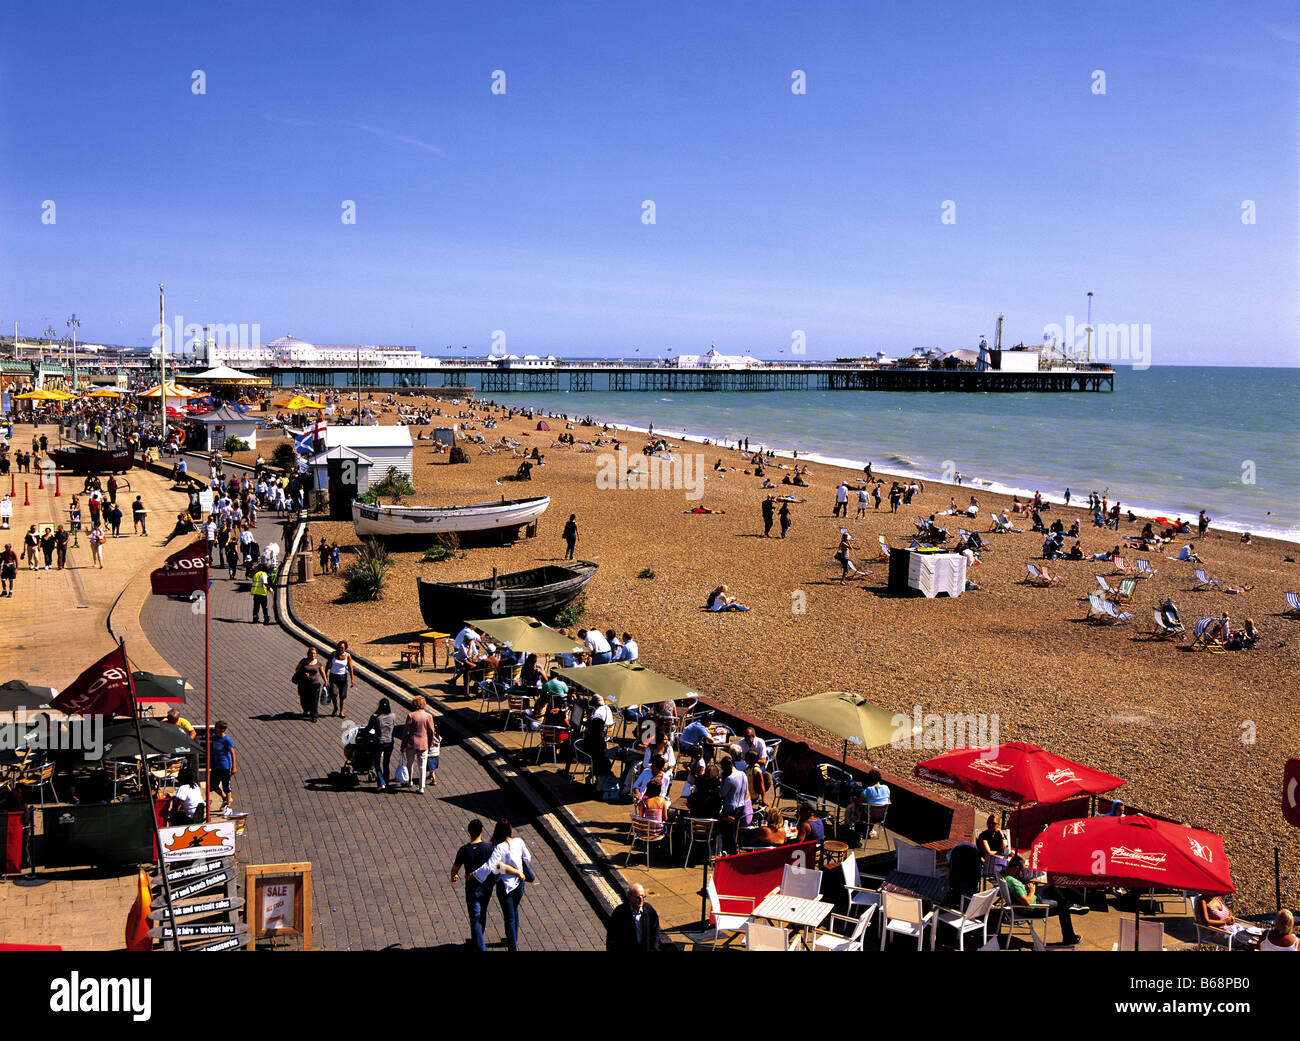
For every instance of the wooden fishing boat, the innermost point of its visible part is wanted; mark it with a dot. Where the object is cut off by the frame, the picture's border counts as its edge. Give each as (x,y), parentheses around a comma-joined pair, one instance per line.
(92,460)
(398,521)
(539,592)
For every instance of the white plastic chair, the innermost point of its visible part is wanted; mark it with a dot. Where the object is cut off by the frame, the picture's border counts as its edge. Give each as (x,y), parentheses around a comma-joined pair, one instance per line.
(904,915)
(918,860)
(804,883)
(859,895)
(854,941)
(727,921)
(769,938)
(973,916)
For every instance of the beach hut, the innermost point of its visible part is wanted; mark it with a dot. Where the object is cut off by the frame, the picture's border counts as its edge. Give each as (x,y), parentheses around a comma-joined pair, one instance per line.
(221,423)
(385,446)
(319,466)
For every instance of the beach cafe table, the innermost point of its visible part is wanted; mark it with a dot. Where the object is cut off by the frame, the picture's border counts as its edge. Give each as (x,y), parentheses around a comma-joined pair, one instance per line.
(794,910)
(923,887)
(433,638)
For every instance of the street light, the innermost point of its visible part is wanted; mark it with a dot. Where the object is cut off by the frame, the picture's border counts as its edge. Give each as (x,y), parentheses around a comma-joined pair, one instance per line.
(74,323)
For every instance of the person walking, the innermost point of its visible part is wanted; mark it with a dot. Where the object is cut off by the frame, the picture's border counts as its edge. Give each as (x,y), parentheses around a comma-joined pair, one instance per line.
(114,517)
(112,488)
(634,925)
(769,514)
(47,548)
(511,863)
(570,535)
(382,724)
(8,570)
(140,522)
(223,768)
(260,588)
(417,735)
(841,501)
(31,542)
(97,539)
(785,518)
(341,676)
(309,678)
(232,551)
(61,547)
(472,856)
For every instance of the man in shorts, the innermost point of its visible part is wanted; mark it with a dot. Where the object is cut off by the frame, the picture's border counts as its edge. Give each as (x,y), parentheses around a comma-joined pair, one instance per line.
(222,769)
(8,570)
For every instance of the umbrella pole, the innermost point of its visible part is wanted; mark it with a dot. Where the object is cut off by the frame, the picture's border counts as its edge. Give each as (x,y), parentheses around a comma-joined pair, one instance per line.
(207,717)
(153,811)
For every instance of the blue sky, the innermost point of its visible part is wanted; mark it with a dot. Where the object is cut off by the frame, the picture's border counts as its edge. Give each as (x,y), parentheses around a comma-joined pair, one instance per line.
(774,212)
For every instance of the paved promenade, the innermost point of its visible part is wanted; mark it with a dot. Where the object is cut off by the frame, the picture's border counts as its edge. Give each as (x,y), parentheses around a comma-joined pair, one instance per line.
(380,861)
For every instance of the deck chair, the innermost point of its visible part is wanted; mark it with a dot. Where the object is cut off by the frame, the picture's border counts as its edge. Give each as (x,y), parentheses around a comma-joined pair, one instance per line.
(1203,581)
(1051,578)
(884,548)
(1292,604)
(1106,588)
(1120,565)
(1125,591)
(1096,612)
(1204,631)
(1163,630)
(1035,577)
(1144,569)
(1000,526)
(1113,615)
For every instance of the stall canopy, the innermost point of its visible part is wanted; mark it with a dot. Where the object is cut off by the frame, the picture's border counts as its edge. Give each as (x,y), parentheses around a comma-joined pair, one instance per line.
(105,392)
(626,683)
(298,403)
(174,390)
(525,635)
(226,376)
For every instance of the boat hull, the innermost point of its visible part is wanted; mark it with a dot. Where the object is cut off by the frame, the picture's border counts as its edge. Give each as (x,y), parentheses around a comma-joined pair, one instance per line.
(540,592)
(91,460)
(402,521)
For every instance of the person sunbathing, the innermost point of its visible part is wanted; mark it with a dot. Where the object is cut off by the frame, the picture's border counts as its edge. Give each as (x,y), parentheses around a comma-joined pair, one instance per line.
(722,600)
(703,509)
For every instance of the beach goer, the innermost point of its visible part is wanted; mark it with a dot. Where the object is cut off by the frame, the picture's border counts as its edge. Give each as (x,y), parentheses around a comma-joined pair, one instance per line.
(47,548)
(570,535)
(381,726)
(771,832)
(736,809)
(8,570)
(769,514)
(810,826)
(862,503)
(309,678)
(61,547)
(1202,523)
(722,600)
(418,734)
(175,718)
(470,857)
(186,806)
(634,925)
(511,863)
(1027,894)
(260,587)
(841,500)
(223,769)
(97,539)
(785,518)
(31,543)
(1282,936)
(341,676)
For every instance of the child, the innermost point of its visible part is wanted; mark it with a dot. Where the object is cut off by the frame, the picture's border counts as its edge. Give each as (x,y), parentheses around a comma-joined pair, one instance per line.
(435,749)
(334,559)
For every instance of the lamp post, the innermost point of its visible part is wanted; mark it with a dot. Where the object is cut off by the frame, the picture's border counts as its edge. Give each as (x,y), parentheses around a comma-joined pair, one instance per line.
(74,323)
(1088,355)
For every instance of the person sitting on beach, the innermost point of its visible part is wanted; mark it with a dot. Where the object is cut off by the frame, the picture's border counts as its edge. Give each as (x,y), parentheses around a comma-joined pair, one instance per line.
(722,600)
(1076,552)
(786,480)
(703,509)
(799,481)
(974,508)
(1187,553)
(1038,522)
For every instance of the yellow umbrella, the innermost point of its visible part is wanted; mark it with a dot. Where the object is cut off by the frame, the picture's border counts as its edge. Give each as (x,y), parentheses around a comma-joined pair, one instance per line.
(298,403)
(524,634)
(38,395)
(173,391)
(105,392)
(61,395)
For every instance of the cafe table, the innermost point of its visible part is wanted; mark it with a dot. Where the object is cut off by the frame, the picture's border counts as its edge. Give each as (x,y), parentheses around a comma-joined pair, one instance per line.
(924,887)
(793,910)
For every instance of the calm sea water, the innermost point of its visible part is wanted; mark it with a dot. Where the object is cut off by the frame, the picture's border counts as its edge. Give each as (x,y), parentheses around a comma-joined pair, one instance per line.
(1168,440)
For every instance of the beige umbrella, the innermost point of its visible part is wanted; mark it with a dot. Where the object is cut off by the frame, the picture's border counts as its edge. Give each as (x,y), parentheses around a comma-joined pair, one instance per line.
(524,634)
(853,718)
(627,683)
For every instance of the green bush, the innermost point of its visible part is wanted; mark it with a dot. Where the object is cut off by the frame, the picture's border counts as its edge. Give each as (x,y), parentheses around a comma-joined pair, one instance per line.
(285,457)
(395,484)
(436,554)
(571,615)
(365,578)
(236,444)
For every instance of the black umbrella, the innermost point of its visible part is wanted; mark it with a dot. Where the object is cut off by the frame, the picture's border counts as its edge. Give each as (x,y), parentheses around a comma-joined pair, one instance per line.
(152,687)
(160,738)
(18,694)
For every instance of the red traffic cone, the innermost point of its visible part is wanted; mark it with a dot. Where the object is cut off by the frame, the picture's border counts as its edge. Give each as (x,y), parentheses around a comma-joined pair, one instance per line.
(27,499)
(40,480)
(11,486)
(57,494)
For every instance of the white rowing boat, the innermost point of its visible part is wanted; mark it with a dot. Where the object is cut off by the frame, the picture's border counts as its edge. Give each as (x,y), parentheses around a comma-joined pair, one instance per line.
(395,521)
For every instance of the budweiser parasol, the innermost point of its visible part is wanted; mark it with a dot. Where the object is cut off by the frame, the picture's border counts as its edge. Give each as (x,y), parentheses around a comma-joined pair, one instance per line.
(1015,774)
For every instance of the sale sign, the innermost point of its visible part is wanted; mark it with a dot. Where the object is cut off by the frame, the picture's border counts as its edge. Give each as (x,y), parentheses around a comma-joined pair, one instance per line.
(278,903)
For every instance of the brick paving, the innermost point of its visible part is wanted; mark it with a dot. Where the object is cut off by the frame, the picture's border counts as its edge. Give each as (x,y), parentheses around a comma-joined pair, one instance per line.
(379,861)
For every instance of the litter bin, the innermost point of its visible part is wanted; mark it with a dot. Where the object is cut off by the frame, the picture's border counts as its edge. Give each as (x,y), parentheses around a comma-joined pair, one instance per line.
(305,568)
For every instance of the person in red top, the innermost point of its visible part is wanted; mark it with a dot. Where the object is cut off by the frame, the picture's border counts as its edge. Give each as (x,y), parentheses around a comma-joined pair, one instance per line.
(418,735)
(8,570)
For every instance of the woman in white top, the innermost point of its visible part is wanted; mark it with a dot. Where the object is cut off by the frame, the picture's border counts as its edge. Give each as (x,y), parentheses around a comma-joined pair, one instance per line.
(1282,937)
(511,863)
(340,675)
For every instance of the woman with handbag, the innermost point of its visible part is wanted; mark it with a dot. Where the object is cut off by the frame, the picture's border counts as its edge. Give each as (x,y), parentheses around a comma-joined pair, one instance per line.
(381,725)
(310,680)
(511,863)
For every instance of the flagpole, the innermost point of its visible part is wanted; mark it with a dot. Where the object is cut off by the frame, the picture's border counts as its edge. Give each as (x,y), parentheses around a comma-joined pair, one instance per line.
(159,859)
(207,717)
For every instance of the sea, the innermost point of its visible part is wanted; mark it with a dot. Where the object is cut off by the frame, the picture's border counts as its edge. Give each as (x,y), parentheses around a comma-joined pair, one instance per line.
(1168,441)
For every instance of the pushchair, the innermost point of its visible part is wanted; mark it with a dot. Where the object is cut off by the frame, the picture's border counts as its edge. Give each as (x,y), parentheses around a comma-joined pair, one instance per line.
(359,747)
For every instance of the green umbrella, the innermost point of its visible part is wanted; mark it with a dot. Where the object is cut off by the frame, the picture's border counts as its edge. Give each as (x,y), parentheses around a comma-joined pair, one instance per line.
(853,718)
(624,683)
(160,738)
(17,695)
(524,634)
(150,686)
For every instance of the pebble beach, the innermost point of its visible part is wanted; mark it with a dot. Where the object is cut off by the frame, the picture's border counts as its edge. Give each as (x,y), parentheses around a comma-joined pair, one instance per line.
(1199,735)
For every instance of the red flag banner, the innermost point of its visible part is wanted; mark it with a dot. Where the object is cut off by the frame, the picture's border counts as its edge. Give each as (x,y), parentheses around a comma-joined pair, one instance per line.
(183,572)
(104,689)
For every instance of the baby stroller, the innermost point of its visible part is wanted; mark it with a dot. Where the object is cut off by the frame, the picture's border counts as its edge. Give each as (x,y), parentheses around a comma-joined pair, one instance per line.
(359,746)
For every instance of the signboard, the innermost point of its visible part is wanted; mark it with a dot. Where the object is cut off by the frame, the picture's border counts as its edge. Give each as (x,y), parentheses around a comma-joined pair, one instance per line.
(194,870)
(205,500)
(194,841)
(203,930)
(197,908)
(1291,792)
(279,901)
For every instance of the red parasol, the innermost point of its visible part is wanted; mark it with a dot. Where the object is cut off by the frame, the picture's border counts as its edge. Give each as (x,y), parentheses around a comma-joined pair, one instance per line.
(1136,852)
(1015,774)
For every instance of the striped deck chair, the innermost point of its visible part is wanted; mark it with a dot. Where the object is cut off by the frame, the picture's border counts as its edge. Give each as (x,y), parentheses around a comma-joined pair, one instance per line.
(1292,604)
(1106,587)
(1120,565)
(1125,591)
(1096,608)
(1036,577)
(1051,578)
(1201,631)
(1163,630)
(1203,581)
(1000,526)
(1113,616)
(1144,569)
(884,547)
(922,526)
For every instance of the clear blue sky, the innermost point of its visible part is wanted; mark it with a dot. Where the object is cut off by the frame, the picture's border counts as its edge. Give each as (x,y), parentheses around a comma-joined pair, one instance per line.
(774,212)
